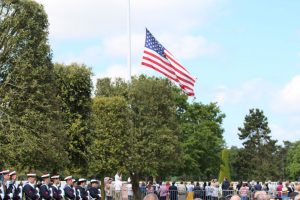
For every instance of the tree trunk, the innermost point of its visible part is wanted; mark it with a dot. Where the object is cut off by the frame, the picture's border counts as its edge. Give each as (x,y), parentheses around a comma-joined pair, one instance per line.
(135,187)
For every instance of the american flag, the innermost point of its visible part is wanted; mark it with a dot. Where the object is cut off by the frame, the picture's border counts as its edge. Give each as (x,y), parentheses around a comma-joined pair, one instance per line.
(160,59)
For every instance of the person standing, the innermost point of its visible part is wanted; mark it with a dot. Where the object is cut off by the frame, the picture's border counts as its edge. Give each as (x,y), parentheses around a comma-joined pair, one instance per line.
(6,193)
(81,189)
(225,187)
(56,191)
(244,191)
(69,190)
(29,189)
(45,193)
(14,187)
(173,191)
(94,191)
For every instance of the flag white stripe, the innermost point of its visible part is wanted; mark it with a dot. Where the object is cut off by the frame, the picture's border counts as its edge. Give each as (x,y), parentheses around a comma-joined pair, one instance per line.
(178,77)
(179,67)
(181,77)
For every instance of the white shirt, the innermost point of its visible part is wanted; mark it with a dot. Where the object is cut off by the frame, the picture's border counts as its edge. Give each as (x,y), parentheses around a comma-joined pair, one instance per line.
(118,185)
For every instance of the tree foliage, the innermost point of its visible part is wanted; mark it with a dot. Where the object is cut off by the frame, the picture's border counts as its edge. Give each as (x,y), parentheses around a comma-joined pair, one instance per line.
(202,139)
(293,161)
(74,90)
(30,119)
(225,168)
(109,149)
(259,153)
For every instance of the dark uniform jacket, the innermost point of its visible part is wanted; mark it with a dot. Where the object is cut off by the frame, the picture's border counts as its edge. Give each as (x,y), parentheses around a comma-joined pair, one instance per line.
(57,192)
(45,193)
(82,193)
(69,192)
(30,192)
(15,189)
(94,193)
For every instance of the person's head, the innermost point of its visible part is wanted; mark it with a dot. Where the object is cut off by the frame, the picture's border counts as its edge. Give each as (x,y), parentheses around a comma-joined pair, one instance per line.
(69,180)
(263,197)
(279,183)
(46,178)
(257,182)
(55,179)
(197,184)
(181,182)
(31,178)
(82,182)
(173,183)
(94,183)
(235,197)
(5,174)
(244,184)
(13,175)
(225,178)
(151,196)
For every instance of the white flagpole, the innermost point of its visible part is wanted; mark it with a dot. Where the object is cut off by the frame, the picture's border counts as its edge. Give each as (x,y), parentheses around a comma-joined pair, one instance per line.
(129,41)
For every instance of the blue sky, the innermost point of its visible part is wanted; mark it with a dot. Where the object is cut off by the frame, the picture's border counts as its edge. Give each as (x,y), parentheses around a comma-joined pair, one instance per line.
(245,54)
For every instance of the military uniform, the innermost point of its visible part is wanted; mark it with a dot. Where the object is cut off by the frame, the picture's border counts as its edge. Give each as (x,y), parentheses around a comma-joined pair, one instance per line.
(57,192)
(69,190)
(15,188)
(94,191)
(81,191)
(45,193)
(6,192)
(30,190)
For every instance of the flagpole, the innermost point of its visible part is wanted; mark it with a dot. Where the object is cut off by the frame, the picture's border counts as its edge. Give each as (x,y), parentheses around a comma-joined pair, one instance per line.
(129,41)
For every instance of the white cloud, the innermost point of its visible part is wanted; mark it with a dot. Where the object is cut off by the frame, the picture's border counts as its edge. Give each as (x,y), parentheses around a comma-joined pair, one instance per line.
(118,71)
(249,91)
(286,133)
(90,18)
(287,99)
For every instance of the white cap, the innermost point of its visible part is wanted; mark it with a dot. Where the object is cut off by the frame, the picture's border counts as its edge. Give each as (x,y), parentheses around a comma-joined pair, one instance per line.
(5,171)
(94,181)
(31,175)
(55,177)
(68,177)
(12,173)
(45,176)
(81,180)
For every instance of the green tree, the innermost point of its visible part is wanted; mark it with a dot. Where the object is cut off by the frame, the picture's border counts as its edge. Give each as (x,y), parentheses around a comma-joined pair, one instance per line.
(225,167)
(234,164)
(202,139)
(74,90)
(293,161)
(109,149)
(31,128)
(258,159)
(153,131)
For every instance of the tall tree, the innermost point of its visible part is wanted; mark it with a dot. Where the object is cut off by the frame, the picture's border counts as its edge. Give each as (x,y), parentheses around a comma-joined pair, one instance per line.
(258,158)
(293,161)
(225,167)
(234,163)
(74,90)
(202,139)
(155,146)
(31,128)
(109,149)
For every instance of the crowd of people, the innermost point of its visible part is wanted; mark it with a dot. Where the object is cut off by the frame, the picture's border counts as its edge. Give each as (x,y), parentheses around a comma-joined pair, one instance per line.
(49,189)
(213,190)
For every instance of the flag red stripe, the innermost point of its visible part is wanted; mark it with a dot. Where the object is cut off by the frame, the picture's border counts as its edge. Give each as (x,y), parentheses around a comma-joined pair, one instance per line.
(156,69)
(176,78)
(182,76)
(170,57)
